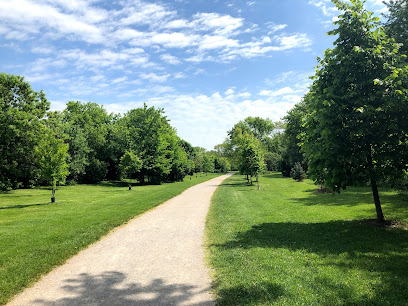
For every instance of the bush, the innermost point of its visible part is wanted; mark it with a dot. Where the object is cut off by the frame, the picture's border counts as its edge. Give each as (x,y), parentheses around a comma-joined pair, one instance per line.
(297,172)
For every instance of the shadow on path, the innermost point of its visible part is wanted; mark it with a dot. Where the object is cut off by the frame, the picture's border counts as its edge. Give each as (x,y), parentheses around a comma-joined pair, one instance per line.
(111,288)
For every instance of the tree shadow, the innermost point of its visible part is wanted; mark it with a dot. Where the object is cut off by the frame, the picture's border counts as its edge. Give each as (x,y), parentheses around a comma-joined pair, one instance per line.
(397,203)
(263,293)
(274,175)
(23,206)
(111,288)
(344,244)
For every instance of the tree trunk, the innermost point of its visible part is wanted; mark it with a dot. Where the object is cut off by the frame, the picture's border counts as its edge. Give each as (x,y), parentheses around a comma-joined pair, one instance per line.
(53,191)
(130,184)
(257,180)
(374,188)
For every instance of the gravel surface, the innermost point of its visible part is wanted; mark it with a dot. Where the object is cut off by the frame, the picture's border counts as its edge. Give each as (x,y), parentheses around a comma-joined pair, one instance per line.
(155,259)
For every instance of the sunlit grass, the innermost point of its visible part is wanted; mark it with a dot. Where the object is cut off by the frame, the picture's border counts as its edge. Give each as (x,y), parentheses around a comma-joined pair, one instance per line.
(287,245)
(36,235)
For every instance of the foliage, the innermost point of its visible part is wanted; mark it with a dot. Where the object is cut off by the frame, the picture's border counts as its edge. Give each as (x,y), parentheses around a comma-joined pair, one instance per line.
(252,162)
(396,25)
(52,158)
(356,126)
(87,125)
(272,161)
(21,111)
(297,172)
(152,138)
(130,164)
(291,143)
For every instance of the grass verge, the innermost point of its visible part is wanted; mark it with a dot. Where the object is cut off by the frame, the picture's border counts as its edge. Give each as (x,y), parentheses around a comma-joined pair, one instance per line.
(36,236)
(287,245)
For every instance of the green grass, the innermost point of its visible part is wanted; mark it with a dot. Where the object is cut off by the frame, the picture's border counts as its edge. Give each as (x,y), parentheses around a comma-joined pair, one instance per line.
(36,236)
(286,245)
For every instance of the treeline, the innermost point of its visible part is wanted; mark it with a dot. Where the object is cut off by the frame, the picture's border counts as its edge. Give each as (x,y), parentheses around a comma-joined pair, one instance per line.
(351,128)
(86,144)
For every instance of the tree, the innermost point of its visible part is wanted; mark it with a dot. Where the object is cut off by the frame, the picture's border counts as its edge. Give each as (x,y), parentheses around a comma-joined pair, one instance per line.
(52,155)
(21,111)
(151,137)
(87,125)
(356,122)
(130,164)
(397,22)
(260,128)
(297,172)
(292,153)
(252,158)
(208,163)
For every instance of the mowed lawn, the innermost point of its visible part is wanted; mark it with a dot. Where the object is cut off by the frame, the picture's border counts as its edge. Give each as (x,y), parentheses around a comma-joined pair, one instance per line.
(36,235)
(287,245)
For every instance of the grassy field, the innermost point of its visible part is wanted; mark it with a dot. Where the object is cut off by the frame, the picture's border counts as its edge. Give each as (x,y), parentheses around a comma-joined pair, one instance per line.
(288,245)
(35,235)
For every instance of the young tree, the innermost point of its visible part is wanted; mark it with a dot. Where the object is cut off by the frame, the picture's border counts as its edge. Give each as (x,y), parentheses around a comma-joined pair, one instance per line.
(52,155)
(130,164)
(356,123)
(252,158)
(297,172)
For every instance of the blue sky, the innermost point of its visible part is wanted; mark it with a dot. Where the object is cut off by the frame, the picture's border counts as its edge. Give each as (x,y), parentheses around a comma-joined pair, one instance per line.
(208,63)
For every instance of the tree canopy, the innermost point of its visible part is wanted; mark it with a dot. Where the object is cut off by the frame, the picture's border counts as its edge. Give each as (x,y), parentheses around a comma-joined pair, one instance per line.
(356,122)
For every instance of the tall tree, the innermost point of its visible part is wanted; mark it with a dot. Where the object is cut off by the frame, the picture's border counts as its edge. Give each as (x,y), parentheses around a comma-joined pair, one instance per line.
(88,125)
(21,110)
(151,137)
(356,126)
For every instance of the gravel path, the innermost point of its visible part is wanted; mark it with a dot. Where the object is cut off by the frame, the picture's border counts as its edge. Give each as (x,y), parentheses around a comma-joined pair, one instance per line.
(155,259)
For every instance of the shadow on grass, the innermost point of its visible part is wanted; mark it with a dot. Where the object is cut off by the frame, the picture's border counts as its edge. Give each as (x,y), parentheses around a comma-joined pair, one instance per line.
(23,206)
(261,293)
(396,203)
(381,251)
(112,288)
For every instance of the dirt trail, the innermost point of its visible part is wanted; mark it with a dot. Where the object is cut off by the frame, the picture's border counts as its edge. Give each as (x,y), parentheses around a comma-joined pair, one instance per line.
(156,259)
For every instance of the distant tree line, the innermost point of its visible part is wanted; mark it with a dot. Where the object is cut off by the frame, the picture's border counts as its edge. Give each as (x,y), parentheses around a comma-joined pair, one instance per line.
(351,128)
(86,144)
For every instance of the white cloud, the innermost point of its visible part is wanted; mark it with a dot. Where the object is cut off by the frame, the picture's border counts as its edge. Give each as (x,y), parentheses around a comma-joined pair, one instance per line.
(170,59)
(224,25)
(275,27)
(42,50)
(26,16)
(153,77)
(119,80)
(215,42)
(229,92)
(174,40)
(298,40)
(279,92)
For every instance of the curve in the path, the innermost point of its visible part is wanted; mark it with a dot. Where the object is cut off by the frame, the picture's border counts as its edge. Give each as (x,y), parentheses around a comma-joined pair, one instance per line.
(155,259)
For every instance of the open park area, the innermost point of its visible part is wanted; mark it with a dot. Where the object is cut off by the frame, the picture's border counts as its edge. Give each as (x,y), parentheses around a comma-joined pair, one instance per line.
(287,244)
(36,235)
(203,152)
